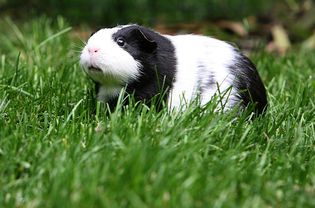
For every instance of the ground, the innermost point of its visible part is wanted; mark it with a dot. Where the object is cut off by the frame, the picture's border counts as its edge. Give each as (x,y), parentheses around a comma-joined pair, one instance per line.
(58,148)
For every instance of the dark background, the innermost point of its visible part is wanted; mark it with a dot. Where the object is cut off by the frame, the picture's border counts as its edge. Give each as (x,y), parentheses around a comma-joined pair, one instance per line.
(276,24)
(111,12)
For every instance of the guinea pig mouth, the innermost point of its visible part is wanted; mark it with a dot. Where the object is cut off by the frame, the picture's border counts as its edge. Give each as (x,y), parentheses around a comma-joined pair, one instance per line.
(93,68)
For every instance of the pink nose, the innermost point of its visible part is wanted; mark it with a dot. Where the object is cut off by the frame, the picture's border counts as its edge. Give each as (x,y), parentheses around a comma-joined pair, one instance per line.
(93,50)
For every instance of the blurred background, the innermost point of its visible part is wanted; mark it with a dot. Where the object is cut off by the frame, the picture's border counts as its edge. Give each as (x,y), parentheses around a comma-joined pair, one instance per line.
(273,26)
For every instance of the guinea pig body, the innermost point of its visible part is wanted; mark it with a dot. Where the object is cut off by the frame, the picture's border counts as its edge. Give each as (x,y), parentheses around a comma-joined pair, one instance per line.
(183,66)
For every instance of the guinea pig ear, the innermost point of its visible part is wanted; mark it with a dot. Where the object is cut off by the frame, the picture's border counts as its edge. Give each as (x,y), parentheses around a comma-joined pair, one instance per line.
(146,43)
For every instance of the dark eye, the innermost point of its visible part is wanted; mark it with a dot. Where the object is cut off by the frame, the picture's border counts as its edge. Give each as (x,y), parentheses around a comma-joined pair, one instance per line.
(121,42)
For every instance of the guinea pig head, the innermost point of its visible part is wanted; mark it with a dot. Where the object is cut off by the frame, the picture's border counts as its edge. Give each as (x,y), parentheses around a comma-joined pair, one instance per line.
(113,56)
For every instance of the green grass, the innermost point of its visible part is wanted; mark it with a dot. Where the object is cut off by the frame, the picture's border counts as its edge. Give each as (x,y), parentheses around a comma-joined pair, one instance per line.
(55,152)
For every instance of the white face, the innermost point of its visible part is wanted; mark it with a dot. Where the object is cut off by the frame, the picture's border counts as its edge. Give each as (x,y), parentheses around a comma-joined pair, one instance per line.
(106,62)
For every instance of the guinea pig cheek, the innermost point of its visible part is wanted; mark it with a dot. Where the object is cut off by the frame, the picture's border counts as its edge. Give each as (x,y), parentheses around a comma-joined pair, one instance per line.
(121,64)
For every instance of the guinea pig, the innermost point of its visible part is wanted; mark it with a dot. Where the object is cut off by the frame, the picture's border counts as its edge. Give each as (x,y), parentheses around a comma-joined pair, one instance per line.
(184,67)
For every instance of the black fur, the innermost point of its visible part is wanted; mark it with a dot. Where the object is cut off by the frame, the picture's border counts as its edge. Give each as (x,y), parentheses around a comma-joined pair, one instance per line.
(248,83)
(157,57)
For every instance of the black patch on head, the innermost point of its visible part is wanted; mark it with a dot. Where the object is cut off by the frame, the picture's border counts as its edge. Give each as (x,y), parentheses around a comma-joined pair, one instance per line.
(248,83)
(98,29)
(137,38)
(157,57)
(93,33)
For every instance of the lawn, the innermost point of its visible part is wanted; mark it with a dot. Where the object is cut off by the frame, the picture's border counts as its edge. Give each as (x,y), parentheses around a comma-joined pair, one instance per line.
(58,147)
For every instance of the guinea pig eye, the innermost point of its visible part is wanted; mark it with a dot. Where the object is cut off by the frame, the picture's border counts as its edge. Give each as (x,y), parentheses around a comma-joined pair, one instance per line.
(120,41)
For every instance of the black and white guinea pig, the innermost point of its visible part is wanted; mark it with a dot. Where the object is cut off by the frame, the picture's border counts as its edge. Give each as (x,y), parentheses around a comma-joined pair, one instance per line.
(186,66)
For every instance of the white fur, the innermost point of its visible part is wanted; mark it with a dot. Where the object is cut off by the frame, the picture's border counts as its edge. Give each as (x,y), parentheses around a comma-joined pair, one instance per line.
(215,55)
(106,92)
(117,66)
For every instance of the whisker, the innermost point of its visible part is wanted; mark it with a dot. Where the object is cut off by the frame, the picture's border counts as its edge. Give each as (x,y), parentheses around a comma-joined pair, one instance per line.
(77,48)
(83,41)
